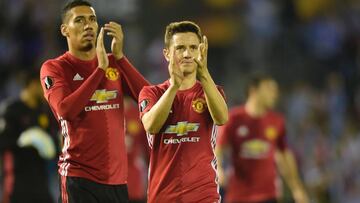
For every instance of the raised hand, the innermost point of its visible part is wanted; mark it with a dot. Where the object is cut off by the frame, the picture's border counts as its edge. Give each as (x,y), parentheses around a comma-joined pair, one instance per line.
(176,76)
(103,61)
(114,30)
(202,69)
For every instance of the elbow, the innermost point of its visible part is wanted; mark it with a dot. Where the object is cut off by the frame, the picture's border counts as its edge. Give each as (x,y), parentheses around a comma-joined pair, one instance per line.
(226,119)
(149,126)
(63,112)
(151,129)
(222,120)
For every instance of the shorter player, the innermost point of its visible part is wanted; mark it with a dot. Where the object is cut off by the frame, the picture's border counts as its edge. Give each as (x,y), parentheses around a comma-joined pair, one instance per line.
(181,117)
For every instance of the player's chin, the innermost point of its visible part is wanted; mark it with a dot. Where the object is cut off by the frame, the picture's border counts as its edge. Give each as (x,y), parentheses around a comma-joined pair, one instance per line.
(187,68)
(87,46)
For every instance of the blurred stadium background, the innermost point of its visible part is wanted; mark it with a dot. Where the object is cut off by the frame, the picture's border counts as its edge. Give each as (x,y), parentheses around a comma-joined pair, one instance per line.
(312,47)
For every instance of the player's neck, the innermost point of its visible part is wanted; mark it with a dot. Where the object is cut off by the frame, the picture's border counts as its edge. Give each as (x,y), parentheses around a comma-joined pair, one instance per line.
(188,82)
(254,109)
(83,55)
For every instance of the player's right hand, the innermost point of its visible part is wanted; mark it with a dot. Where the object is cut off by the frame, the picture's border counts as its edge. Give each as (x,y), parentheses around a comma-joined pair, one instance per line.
(176,76)
(103,61)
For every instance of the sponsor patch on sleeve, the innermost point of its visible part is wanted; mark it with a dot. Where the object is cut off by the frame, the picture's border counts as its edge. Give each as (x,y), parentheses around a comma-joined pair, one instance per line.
(144,103)
(48,82)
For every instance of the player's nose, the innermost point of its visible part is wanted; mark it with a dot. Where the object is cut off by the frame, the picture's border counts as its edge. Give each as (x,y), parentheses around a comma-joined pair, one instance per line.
(186,53)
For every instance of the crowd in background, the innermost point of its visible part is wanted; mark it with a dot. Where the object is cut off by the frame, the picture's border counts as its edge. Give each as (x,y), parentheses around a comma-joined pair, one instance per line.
(312,47)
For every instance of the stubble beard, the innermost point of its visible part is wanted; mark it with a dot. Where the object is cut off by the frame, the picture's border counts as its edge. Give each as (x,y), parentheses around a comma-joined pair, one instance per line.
(87,47)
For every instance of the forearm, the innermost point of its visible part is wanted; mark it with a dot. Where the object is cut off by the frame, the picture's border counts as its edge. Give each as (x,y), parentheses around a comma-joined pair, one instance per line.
(288,169)
(215,101)
(133,78)
(154,119)
(70,106)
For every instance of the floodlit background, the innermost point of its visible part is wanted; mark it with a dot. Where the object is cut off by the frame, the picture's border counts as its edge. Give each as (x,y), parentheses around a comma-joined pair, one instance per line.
(312,47)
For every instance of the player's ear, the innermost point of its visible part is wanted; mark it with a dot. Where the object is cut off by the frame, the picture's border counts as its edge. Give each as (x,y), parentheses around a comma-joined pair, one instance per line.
(64,30)
(166,53)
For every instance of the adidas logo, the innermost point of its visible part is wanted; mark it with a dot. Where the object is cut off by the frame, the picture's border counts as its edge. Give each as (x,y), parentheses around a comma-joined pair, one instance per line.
(77,77)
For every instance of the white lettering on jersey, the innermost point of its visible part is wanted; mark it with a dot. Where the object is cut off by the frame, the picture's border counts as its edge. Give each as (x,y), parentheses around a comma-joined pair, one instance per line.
(181,140)
(102,107)
(182,129)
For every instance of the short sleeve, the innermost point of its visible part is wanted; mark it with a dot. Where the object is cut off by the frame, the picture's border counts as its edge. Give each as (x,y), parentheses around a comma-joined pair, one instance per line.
(147,99)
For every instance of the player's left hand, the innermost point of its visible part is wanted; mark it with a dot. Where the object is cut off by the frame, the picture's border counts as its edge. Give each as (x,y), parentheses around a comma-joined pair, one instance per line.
(202,69)
(114,29)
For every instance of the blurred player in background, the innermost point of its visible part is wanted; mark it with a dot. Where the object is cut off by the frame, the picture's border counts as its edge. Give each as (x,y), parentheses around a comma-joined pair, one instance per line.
(85,88)
(255,138)
(138,153)
(181,117)
(26,146)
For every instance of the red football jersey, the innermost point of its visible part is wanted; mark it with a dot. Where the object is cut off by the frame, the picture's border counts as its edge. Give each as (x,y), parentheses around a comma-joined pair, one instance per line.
(88,104)
(253,142)
(182,159)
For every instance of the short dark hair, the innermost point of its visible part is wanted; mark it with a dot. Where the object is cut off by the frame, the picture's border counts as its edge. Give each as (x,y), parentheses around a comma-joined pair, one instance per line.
(72,4)
(255,79)
(181,27)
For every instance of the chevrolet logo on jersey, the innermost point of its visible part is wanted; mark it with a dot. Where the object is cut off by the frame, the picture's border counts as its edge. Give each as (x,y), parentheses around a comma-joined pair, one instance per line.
(103,96)
(182,128)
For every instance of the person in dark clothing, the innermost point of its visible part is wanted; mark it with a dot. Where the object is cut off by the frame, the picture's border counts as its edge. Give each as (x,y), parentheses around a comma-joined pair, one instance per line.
(26,147)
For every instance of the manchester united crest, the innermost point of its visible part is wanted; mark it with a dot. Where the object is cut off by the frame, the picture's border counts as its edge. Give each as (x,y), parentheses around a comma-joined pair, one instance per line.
(199,105)
(112,74)
(271,133)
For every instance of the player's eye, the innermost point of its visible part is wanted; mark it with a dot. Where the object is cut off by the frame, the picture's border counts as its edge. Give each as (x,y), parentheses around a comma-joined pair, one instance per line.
(192,48)
(79,20)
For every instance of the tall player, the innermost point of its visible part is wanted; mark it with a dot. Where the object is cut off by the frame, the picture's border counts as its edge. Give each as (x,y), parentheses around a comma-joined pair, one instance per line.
(85,88)
(181,117)
(255,137)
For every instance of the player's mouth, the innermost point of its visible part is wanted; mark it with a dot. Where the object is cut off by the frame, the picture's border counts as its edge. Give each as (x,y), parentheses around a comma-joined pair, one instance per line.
(187,62)
(89,36)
